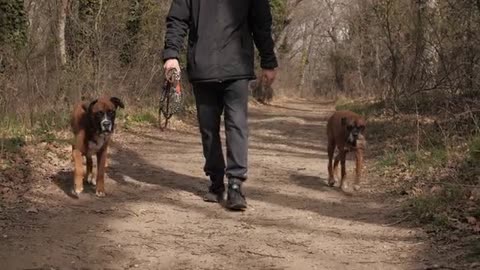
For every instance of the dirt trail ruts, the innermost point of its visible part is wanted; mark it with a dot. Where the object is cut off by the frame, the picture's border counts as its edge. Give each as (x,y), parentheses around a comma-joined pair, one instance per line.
(154,218)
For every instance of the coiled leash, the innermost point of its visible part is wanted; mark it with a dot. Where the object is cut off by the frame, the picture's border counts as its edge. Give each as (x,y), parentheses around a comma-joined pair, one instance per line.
(171,100)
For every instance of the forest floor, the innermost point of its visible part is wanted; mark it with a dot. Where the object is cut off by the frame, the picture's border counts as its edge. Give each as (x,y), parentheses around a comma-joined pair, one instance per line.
(154,217)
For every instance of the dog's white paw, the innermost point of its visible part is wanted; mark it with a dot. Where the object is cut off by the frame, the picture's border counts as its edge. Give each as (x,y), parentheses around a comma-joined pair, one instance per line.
(345,187)
(100,194)
(91,179)
(77,191)
(356,187)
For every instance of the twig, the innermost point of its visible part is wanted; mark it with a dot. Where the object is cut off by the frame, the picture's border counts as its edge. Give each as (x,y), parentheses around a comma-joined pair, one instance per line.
(131,212)
(263,255)
(474,119)
(451,184)
(293,243)
(97,17)
(153,72)
(417,141)
(455,117)
(374,262)
(2,144)
(150,246)
(396,222)
(439,267)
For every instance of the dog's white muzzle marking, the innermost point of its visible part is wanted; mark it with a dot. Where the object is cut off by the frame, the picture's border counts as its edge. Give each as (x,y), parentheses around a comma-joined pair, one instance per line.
(106,124)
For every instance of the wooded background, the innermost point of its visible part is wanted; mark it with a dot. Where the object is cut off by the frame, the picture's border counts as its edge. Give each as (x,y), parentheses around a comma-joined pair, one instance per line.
(417,55)
(387,49)
(410,66)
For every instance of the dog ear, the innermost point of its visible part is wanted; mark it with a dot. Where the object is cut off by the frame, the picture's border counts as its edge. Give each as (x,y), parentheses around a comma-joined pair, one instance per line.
(90,106)
(343,121)
(117,102)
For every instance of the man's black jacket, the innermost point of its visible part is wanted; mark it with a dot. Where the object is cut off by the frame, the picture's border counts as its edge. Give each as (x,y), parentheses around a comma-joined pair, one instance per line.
(221,37)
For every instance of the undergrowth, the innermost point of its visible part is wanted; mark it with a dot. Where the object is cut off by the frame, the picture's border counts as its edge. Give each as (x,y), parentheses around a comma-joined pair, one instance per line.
(16,133)
(362,108)
(436,170)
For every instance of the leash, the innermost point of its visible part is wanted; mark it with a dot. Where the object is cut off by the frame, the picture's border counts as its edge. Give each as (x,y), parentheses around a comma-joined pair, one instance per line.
(171,99)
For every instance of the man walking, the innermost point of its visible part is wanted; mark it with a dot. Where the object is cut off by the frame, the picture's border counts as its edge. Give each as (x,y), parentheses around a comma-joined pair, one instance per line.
(220,62)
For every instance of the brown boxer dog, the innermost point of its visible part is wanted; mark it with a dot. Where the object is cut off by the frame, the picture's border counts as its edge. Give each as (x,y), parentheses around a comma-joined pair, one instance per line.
(92,125)
(346,132)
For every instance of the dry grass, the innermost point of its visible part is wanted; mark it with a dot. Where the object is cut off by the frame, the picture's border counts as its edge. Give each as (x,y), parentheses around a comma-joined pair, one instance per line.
(439,176)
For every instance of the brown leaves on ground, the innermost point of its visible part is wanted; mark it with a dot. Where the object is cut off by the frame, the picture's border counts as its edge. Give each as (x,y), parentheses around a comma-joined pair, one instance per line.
(30,165)
(438,173)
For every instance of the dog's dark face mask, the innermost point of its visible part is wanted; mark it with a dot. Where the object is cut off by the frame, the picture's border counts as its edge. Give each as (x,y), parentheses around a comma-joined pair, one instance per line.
(102,114)
(354,130)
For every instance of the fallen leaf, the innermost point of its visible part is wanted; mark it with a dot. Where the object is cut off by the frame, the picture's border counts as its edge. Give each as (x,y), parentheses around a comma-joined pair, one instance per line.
(471,220)
(32,210)
(436,189)
(474,265)
(475,194)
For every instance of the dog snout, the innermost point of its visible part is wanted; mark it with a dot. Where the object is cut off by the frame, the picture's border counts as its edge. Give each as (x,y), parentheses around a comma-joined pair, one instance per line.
(106,125)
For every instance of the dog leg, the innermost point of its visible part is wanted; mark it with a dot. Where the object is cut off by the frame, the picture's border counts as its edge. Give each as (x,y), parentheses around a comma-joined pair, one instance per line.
(335,165)
(101,159)
(90,175)
(359,165)
(331,177)
(78,172)
(343,182)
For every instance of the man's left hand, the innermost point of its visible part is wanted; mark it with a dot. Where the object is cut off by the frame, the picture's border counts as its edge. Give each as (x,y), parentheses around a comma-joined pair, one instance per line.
(268,76)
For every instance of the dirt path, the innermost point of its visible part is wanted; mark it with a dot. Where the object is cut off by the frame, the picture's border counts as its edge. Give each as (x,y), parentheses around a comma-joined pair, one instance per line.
(154,218)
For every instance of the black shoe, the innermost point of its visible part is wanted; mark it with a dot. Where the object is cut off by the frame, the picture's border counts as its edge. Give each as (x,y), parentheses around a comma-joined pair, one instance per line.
(235,198)
(215,192)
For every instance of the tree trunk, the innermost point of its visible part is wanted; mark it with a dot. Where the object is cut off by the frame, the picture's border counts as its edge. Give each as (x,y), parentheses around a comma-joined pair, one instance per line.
(359,68)
(303,60)
(62,18)
(307,53)
(97,47)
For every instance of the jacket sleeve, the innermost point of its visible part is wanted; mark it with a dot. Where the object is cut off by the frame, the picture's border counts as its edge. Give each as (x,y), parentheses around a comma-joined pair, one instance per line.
(177,22)
(261,26)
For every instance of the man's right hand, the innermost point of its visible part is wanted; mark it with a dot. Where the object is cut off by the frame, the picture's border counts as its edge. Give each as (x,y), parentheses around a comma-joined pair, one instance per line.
(171,64)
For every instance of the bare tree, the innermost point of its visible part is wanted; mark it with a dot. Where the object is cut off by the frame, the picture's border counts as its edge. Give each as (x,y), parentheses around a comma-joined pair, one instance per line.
(62,19)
